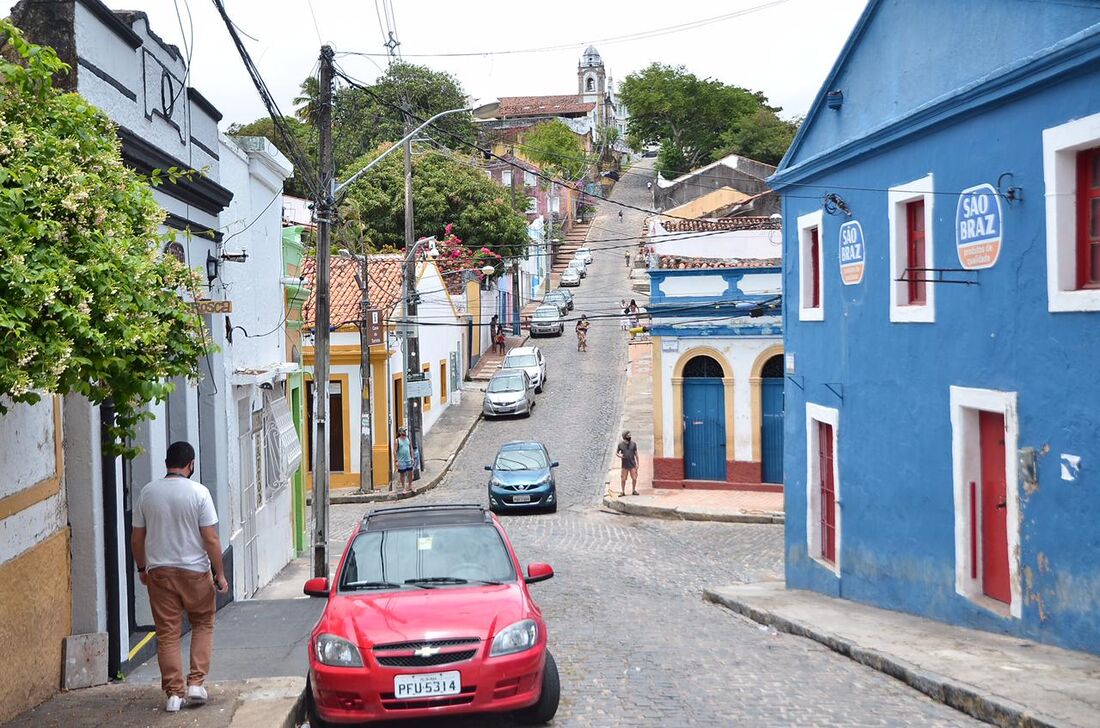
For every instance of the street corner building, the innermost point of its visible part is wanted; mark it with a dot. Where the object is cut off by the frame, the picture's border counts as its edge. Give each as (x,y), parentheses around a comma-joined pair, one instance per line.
(66,573)
(717,353)
(943,287)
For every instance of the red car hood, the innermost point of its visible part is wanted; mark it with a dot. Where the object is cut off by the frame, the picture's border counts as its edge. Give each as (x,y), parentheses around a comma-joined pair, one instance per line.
(425,614)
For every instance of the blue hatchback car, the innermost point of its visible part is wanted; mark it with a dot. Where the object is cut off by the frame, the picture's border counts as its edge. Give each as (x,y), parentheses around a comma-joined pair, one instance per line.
(522,477)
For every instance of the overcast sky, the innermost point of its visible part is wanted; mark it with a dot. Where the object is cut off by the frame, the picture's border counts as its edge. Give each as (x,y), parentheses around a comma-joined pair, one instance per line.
(783,49)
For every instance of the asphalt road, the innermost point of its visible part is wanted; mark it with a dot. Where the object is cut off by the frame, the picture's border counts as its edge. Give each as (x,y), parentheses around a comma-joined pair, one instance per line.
(635,642)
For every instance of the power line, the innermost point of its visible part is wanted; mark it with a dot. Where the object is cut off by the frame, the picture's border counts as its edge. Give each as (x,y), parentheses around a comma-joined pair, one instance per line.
(611,40)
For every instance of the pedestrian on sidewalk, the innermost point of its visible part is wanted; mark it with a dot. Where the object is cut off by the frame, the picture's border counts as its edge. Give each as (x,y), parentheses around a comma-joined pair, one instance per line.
(404,460)
(582,333)
(627,254)
(175,543)
(624,320)
(627,452)
(499,342)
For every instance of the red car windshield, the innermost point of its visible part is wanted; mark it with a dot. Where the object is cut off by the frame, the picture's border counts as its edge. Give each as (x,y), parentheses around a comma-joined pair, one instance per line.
(426,556)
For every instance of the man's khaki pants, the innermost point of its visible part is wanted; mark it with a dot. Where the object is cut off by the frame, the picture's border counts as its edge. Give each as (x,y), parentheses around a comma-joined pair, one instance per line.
(173,593)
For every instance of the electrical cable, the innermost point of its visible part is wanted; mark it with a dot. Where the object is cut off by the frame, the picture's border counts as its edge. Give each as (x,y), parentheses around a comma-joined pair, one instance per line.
(638,35)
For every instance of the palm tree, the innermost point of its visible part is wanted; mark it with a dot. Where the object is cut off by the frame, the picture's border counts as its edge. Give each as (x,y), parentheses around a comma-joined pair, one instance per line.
(306,103)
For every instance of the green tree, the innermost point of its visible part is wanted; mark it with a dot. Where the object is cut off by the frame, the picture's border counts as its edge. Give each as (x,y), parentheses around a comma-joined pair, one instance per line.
(88,303)
(362,120)
(446,190)
(304,135)
(763,136)
(553,146)
(308,100)
(684,113)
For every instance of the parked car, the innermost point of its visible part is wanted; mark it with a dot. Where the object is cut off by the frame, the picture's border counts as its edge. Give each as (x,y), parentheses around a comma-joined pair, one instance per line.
(510,392)
(578,265)
(557,299)
(547,320)
(428,615)
(522,477)
(568,297)
(584,254)
(530,360)
(570,277)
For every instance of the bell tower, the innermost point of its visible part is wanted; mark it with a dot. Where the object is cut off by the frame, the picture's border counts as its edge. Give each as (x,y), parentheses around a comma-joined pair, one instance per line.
(592,81)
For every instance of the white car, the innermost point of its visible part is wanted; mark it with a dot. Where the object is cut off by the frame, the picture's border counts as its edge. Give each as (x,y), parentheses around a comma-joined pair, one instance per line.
(547,320)
(579,266)
(584,254)
(570,277)
(530,360)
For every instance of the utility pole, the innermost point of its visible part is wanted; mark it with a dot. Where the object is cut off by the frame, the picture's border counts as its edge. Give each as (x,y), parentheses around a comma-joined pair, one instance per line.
(366,441)
(412,337)
(323,210)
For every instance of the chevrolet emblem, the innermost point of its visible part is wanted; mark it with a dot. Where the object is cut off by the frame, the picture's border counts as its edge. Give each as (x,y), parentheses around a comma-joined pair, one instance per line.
(426,651)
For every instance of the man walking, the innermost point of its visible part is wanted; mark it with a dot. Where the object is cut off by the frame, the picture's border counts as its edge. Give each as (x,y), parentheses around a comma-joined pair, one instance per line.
(627,451)
(175,543)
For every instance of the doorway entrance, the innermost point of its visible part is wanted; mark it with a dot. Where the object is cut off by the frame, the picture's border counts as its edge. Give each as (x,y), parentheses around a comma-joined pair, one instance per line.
(771,426)
(704,420)
(994,515)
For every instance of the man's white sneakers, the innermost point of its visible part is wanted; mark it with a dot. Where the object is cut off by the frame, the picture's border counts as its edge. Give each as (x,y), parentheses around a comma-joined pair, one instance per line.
(196,694)
(174,704)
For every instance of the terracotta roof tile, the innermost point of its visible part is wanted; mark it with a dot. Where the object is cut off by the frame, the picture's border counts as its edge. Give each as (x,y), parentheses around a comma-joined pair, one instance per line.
(512,106)
(679,262)
(722,223)
(384,287)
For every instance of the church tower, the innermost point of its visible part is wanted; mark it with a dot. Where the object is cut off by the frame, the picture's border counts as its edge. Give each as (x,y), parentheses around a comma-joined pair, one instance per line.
(592,82)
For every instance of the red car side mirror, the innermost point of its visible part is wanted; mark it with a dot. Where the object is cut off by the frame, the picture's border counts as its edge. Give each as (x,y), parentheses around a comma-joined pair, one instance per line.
(538,572)
(316,587)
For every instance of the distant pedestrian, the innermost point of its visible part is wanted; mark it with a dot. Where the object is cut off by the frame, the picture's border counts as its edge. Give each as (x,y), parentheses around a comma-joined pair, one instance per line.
(624,319)
(626,254)
(176,545)
(620,216)
(500,340)
(404,460)
(582,333)
(649,185)
(627,452)
(632,312)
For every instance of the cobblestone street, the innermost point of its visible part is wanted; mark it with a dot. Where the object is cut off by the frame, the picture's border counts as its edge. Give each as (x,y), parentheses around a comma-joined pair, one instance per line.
(634,640)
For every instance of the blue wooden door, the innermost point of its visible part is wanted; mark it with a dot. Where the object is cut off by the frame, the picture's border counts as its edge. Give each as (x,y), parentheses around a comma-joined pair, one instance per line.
(771,435)
(704,429)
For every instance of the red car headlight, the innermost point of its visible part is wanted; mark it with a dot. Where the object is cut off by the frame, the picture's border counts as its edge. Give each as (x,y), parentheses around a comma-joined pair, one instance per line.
(336,651)
(515,638)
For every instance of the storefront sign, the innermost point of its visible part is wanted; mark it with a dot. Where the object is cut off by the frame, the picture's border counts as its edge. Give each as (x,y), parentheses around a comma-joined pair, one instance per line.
(852,253)
(416,388)
(979,227)
(375,333)
(203,308)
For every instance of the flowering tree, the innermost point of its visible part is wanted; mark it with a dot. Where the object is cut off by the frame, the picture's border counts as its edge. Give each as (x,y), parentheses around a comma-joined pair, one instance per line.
(87,302)
(454,256)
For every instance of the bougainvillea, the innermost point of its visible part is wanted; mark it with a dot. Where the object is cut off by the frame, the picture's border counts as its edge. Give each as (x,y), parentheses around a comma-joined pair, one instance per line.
(88,304)
(453,256)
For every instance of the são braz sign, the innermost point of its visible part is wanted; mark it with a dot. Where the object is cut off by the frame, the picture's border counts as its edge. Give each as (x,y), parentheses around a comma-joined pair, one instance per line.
(853,253)
(979,227)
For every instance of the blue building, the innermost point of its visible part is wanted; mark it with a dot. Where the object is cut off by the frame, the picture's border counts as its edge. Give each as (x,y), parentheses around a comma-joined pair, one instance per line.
(942,317)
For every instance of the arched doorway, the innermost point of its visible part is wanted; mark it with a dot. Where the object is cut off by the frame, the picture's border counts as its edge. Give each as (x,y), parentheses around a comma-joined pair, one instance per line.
(704,420)
(771,426)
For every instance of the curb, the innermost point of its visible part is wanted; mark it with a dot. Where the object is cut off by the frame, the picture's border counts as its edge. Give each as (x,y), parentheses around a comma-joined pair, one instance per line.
(953,693)
(275,703)
(677,514)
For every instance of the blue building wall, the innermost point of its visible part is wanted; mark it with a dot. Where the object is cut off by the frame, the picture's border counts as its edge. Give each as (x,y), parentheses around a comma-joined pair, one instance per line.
(890,381)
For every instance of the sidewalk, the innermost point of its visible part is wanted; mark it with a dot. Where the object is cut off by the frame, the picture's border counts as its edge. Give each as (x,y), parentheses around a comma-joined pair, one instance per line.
(727,506)
(1007,681)
(441,444)
(490,361)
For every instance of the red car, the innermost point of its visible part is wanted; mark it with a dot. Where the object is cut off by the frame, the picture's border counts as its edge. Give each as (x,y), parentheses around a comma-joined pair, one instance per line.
(429,615)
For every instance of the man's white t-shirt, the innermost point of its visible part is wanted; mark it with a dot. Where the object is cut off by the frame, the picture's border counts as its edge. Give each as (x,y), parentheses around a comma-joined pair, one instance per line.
(171,510)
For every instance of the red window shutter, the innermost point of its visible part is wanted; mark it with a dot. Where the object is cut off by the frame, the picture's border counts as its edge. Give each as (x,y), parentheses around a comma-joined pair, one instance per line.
(1088,218)
(815,269)
(828,491)
(915,257)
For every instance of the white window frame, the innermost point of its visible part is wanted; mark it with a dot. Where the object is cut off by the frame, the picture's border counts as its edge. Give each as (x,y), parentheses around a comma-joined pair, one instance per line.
(1060,147)
(506,177)
(805,267)
(555,204)
(532,206)
(816,413)
(966,403)
(529,179)
(898,197)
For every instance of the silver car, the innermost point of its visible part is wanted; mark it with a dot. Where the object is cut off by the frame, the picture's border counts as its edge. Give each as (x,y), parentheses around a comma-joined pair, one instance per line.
(510,392)
(547,321)
(530,360)
(579,265)
(570,277)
